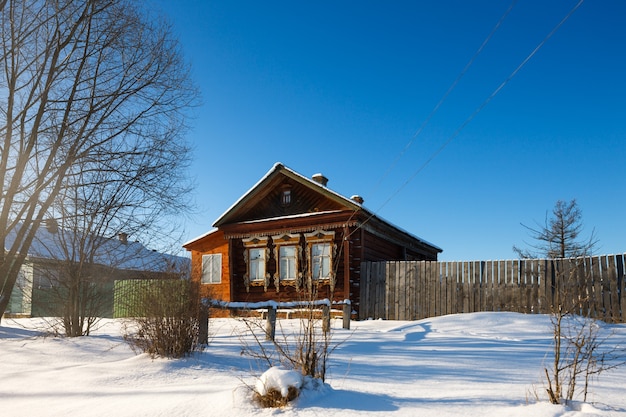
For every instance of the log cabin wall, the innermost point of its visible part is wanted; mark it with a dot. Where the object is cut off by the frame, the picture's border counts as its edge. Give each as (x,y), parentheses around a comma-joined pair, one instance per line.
(370,246)
(251,291)
(382,242)
(356,243)
(377,248)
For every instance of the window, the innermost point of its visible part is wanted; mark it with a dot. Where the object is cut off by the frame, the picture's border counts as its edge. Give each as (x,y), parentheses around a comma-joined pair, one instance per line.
(287,252)
(255,256)
(286,198)
(320,261)
(212,269)
(256,266)
(320,250)
(287,263)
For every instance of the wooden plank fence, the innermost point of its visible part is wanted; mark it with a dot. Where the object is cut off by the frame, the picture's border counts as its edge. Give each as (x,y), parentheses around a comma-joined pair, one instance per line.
(590,286)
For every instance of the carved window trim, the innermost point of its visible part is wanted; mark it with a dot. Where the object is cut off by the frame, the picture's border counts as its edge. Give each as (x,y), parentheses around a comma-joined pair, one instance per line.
(282,241)
(321,237)
(254,244)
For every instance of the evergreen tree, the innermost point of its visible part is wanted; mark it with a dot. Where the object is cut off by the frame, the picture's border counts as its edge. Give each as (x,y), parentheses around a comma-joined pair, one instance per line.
(560,235)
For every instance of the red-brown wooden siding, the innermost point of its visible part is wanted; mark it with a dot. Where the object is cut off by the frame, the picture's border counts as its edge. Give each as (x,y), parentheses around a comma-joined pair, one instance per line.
(214,243)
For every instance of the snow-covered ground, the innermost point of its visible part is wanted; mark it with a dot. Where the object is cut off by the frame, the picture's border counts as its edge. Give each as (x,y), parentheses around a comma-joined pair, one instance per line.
(481,364)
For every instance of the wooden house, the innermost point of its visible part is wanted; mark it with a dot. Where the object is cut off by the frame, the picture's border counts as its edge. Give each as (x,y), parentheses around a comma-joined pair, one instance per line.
(289,234)
(55,259)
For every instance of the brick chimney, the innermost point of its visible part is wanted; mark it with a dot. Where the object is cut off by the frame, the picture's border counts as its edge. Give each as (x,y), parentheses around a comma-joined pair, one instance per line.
(320,179)
(357,199)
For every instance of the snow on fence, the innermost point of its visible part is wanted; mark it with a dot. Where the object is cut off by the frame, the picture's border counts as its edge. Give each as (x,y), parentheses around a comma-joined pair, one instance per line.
(415,290)
(273,307)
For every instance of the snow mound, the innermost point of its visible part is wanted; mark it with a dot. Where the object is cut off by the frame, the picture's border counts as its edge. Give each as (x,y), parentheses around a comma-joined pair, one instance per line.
(279,379)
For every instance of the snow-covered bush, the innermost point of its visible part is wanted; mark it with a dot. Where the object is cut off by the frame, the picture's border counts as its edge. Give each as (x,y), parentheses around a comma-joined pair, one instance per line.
(277,386)
(298,354)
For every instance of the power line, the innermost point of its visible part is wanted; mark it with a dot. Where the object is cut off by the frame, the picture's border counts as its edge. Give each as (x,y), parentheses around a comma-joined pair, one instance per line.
(478,110)
(447,93)
(438,105)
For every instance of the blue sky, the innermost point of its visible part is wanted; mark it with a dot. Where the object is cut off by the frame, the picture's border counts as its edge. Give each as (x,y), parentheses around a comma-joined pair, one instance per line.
(342,88)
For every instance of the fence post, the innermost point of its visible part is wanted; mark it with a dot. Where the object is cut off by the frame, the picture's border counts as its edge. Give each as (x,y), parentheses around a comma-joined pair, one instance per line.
(270,326)
(347,312)
(326,318)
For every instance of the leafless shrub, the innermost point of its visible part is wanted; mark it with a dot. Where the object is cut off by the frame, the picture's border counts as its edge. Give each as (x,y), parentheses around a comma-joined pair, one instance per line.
(273,398)
(166,320)
(306,350)
(582,349)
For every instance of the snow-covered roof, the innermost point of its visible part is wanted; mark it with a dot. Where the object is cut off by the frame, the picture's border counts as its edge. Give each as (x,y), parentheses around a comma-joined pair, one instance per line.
(279,167)
(210,232)
(108,251)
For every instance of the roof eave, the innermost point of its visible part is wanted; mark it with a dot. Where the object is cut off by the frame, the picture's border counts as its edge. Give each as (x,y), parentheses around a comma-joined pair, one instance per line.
(194,240)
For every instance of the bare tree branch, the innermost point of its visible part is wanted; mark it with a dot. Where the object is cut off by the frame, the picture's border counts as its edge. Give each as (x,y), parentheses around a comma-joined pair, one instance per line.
(94,85)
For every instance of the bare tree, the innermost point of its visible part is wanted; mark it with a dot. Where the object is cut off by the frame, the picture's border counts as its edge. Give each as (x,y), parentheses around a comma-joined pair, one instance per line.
(560,235)
(580,349)
(582,346)
(84,254)
(130,195)
(90,85)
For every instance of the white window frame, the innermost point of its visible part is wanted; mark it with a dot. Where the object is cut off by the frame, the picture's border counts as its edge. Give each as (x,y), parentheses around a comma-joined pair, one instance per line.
(287,240)
(282,241)
(286,197)
(211,268)
(257,265)
(321,261)
(325,238)
(256,245)
(292,263)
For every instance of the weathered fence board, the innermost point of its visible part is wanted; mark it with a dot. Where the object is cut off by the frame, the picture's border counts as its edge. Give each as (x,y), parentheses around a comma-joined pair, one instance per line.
(594,286)
(380,293)
(615,307)
(621,285)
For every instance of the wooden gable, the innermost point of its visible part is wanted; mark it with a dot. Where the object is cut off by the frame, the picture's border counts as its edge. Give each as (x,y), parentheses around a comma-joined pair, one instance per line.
(282,193)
